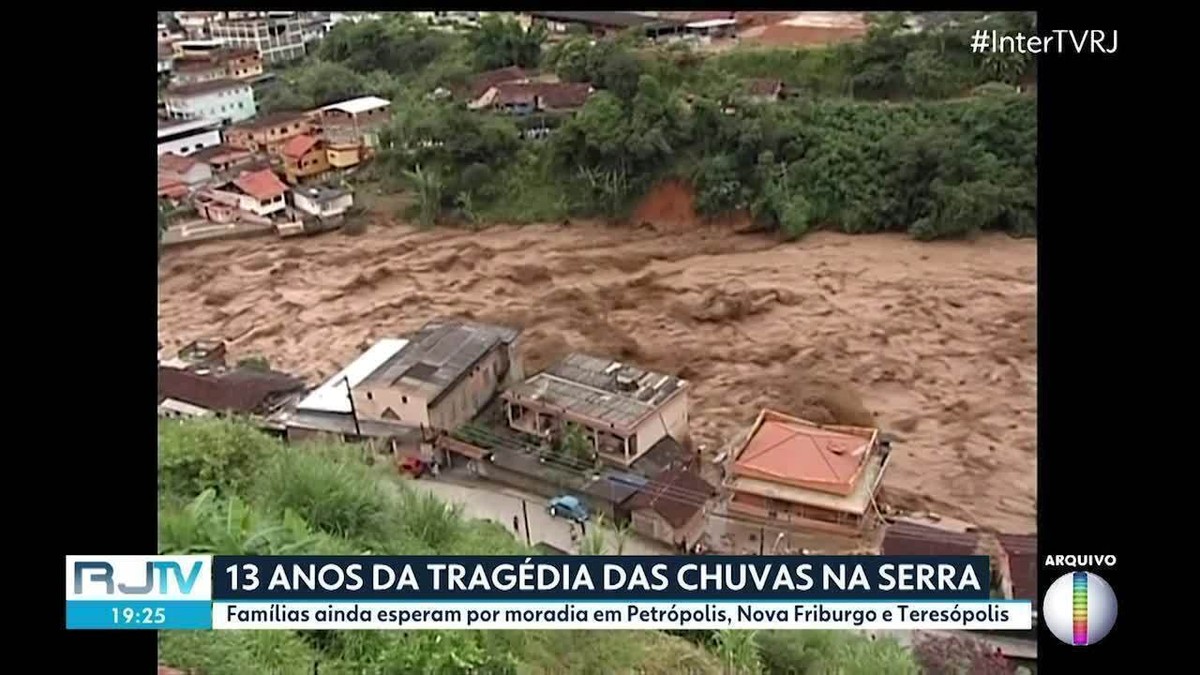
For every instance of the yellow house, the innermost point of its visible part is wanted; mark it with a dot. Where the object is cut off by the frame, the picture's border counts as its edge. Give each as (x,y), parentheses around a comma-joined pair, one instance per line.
(304,157)
(343,154)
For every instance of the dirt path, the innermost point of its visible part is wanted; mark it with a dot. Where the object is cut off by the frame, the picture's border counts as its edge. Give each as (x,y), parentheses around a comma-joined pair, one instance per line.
(934,342)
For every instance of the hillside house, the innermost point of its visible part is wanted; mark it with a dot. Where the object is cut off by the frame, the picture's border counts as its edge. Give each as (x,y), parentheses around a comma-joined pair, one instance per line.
(238,391)
(184,137)
(304,157)
(224,100)
(269,132)
(171,189)
(481,83)
(525,98)
(259,192)
(624,410)
(327,412)
(322,201)
(443,377)
(189,171)
(352,124)
(232,63)
(798,474)
(224,158)
(672,507)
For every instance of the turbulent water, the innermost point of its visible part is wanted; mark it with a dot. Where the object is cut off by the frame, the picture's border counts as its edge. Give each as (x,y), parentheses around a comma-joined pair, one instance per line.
(934,342)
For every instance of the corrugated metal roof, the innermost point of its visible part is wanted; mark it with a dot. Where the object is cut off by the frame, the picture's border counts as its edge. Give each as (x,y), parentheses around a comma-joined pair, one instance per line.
(438,355)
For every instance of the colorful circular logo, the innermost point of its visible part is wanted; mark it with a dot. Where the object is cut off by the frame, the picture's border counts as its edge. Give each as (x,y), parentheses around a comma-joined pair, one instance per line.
(1080,608)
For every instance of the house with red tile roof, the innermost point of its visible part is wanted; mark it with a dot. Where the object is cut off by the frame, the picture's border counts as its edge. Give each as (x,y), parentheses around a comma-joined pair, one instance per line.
(481,83)
(304,157)
(797,474)
(259,192)
(171,188)
(529,97)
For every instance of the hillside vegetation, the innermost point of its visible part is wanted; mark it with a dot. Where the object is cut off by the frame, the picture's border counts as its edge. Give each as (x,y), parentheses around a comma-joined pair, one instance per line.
(904,131)
(225,488)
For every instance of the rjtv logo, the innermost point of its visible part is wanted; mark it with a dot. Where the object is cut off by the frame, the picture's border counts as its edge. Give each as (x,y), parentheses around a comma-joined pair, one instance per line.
(175,577)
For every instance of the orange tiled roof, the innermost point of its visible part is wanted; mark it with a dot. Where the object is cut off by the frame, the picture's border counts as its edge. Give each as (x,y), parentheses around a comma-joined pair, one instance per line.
(262,184)
(176,163)
(797,452)
(298,146)
(171,186)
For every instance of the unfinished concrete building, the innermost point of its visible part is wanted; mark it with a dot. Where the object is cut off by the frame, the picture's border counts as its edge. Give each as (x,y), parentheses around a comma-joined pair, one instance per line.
(623,410)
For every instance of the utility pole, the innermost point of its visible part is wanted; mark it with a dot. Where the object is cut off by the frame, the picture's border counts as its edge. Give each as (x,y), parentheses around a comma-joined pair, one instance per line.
(353,409)
(525,512)
(762,533)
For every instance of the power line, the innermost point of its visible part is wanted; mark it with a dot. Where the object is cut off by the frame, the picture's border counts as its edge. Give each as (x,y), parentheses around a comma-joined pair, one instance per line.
(580,468)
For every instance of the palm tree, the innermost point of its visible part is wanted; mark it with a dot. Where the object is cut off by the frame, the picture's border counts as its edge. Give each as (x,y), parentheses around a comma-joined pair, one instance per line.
(1005,66)
(428,186)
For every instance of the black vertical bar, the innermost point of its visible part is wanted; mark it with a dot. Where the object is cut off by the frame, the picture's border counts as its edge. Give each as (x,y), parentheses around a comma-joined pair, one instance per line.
(353,408)
(525,512)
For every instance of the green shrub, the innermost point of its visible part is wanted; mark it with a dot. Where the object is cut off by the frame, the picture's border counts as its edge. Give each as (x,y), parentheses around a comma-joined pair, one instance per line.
(211,453)
(328,487)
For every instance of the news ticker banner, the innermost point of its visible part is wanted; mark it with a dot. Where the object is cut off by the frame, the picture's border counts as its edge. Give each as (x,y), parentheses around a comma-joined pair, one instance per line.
(550,592)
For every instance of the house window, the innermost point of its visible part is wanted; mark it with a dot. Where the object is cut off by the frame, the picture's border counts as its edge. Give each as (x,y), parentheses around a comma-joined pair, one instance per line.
(370,396)
(404,399)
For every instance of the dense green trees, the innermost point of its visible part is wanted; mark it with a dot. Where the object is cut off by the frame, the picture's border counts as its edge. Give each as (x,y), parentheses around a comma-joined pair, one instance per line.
(225,488)
(500,42)
(950,150)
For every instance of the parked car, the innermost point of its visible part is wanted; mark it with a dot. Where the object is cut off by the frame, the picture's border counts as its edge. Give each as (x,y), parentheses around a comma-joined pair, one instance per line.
(413,466)
(568,507)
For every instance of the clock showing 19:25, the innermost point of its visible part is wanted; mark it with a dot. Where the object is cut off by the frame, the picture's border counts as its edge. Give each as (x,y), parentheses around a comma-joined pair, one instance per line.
(139,616)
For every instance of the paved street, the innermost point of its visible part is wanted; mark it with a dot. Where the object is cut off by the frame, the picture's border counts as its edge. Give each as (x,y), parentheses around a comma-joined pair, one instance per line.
(501,504)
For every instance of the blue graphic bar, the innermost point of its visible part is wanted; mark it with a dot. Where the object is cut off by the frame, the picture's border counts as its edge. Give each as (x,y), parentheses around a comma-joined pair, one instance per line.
(149,615)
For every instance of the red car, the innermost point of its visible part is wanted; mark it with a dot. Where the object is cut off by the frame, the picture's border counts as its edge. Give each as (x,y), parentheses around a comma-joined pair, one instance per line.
(413,466)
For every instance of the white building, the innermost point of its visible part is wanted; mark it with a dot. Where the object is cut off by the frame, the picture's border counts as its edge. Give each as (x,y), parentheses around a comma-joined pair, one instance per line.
(183,137)
(278,36)
(260,192)
(334,395)
(323,202)
(228,101)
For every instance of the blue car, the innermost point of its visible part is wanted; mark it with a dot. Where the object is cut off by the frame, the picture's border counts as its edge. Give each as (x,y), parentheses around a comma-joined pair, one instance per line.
(568,507)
